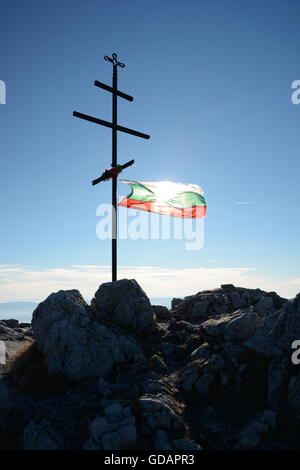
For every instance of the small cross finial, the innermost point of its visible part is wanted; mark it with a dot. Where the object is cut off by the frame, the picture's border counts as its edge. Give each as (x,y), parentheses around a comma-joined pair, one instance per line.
(114,60)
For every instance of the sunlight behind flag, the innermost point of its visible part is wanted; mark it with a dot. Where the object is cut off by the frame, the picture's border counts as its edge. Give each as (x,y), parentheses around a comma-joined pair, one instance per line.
(166,197)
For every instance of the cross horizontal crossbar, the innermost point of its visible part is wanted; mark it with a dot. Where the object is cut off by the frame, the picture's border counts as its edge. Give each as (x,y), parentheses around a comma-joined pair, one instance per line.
(109,88)
(109,124)
(108,174)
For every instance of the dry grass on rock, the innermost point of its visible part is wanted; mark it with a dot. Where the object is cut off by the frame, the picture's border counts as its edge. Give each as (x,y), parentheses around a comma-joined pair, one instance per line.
(27,369)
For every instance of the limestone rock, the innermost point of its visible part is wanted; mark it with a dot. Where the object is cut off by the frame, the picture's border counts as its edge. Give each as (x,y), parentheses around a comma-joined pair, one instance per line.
(11,323)
(204,383)
(124,304)
(294,394)
(161,313)
(5,398)
(8,333)
(75,344)
(175,302)
(253,434)
(148,377)
(160,412)
(41,436)
(158,364)
(278,331)
(161,441)
(115,430)
(237,326)
(185,444)
(226,300)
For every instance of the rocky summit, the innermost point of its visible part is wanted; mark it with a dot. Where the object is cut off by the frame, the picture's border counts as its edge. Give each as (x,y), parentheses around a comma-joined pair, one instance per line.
(213,372)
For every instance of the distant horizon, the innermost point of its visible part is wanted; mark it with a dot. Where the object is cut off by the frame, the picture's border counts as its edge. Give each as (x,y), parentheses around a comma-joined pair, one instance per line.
(22,310)
(11,302)
(22,283)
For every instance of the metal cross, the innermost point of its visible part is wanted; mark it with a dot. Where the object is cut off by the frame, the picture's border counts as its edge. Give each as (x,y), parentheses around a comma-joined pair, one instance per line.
(114,61)
(115,127)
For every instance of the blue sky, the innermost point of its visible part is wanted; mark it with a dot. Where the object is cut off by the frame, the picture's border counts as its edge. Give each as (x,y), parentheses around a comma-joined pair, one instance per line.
(212,86)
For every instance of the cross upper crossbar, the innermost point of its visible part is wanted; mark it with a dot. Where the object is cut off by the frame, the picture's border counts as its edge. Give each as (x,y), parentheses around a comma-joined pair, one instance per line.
(109,88)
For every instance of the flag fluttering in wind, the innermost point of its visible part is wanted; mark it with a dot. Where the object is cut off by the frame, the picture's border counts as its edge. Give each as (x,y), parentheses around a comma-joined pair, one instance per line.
(166,197)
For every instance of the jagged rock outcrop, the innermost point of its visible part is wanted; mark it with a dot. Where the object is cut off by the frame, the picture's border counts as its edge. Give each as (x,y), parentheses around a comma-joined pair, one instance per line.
(42,436)
(225,300)
(125,304)
(214,372)
(80,341)
(161,313)
(278,331)
(5,398)
(160,411)
(12,330)
(256,431)
(114,430)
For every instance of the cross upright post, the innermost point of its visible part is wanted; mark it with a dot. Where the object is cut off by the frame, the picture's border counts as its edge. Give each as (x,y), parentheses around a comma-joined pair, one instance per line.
(114,163)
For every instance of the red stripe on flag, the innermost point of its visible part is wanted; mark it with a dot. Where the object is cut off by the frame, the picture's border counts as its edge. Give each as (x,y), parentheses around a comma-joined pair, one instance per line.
(195,212)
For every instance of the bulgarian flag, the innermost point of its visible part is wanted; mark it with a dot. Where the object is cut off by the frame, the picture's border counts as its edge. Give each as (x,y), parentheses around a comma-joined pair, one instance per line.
(165,197)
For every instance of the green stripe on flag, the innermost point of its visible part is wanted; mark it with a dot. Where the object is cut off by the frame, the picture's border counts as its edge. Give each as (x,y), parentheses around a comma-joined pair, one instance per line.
(186,199)
(141,193)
